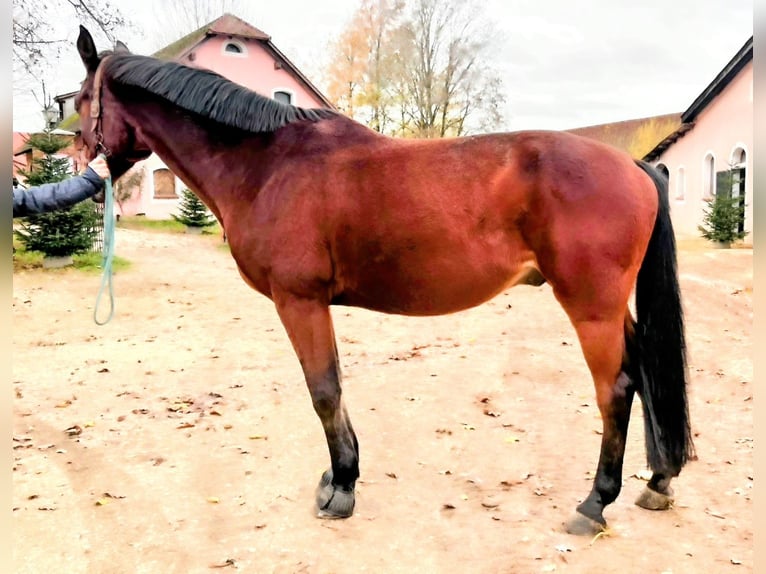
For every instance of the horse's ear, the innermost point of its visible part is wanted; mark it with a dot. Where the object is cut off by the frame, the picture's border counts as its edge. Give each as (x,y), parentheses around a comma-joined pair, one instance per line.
(121,48)
(87,50)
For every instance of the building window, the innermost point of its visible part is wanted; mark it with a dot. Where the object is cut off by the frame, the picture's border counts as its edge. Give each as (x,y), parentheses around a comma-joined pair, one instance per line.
(739,158)
(681,184)
(708,177)
(234,48)
(164,184)
(739,175)
(283,96)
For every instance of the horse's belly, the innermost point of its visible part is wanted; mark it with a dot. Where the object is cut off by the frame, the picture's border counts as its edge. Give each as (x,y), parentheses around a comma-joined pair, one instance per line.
(433,287)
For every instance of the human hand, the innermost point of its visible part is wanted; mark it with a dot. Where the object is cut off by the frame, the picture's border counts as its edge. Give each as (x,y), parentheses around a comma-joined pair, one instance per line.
(100,167)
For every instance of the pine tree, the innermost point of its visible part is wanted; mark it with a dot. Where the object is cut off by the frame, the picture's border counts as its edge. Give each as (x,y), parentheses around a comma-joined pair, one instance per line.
(192,211)
(65,231)
(723,215)
(48,168)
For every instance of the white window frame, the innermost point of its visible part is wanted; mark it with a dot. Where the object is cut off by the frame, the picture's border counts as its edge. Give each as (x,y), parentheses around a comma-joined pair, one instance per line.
(743,147)
(708,176)
(286,91)
(238,44)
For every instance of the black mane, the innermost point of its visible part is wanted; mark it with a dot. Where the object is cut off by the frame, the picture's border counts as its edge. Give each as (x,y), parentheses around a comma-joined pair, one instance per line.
(208,94)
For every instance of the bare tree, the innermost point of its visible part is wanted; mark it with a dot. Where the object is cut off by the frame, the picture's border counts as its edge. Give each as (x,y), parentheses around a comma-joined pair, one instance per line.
(359,72)
(36,40)
(128,184)
(447,86)
(418,69)
(42,32)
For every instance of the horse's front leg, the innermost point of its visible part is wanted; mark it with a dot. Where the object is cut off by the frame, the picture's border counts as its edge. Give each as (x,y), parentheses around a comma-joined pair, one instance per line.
(309,326)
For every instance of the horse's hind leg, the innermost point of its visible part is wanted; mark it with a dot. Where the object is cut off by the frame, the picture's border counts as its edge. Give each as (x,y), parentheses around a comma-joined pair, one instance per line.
(309,326)
(603,344)
(657,495)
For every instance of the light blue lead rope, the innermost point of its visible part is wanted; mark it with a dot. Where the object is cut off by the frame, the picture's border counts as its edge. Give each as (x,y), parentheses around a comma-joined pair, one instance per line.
(108,253)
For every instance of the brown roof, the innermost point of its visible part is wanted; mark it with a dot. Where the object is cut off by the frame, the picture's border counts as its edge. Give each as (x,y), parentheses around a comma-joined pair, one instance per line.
(228,25)
(665,143)
(638,137)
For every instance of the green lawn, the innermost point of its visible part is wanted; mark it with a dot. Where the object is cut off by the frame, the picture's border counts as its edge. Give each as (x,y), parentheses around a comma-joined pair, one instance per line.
(161,225)
(89,262)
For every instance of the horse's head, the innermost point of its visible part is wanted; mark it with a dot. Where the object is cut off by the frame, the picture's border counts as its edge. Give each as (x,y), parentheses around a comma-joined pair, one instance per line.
(104,130)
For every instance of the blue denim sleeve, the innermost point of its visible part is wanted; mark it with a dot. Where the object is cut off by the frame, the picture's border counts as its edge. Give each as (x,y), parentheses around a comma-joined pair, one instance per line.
(52,196)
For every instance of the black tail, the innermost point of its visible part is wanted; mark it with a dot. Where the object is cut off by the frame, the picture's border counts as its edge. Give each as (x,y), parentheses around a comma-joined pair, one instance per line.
(660,371)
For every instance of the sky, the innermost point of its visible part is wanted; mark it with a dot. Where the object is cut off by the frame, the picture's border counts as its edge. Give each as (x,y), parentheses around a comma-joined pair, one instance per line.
(563,64)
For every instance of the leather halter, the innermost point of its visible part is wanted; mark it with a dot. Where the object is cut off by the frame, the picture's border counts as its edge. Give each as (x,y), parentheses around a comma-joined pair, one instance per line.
(95,109)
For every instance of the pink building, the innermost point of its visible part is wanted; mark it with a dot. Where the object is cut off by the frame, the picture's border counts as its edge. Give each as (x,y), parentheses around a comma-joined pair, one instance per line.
(21,155)
(716,135)
(237,51)
(696,147)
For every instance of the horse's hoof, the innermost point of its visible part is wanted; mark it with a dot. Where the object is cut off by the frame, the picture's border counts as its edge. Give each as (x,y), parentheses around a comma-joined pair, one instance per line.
(581,525)
(333,501)
(653,500)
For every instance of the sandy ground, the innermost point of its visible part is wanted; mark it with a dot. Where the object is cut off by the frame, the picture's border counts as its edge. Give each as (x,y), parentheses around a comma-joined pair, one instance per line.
(194,445)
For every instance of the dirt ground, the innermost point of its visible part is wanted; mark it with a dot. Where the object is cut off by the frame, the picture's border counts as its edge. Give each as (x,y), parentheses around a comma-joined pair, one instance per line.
(198,447)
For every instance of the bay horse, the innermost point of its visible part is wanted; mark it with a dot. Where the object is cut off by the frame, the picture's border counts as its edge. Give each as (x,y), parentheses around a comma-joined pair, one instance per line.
(319,210)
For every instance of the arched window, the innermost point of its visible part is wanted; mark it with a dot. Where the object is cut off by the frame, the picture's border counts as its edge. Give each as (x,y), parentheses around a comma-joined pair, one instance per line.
(283,96)
(233,47)
(739,175)
(708,176)
(164,184)
(739,158)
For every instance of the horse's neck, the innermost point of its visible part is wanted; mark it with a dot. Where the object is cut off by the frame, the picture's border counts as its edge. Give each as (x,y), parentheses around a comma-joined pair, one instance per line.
(191,150)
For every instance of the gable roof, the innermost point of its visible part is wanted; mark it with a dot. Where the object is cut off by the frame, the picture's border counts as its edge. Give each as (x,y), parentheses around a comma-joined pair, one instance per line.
(723,79)
(230,25)
(227,25)
(719,83)
(63,97)
(637,136)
